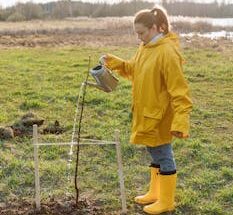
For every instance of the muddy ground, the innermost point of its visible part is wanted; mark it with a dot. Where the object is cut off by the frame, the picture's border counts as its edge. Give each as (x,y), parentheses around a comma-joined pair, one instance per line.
(52,207)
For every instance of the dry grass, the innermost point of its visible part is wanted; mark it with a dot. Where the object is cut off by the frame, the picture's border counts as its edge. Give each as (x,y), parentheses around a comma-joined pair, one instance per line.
(199,26)
(81,31)
(85,24)
(68,25)
(85,31)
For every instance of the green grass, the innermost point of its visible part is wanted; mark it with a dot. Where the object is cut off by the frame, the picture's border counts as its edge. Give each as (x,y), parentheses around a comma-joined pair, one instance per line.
(47,81)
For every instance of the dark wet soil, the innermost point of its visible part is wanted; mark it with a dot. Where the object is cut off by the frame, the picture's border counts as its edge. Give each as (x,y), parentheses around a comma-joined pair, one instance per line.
(52,207)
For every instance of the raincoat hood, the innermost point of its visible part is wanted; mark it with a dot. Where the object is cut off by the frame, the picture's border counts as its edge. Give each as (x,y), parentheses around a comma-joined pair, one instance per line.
(170,38)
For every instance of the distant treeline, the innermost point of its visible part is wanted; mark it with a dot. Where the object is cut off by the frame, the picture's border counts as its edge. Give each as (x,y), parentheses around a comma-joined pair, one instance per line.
(62,9)
(188,8)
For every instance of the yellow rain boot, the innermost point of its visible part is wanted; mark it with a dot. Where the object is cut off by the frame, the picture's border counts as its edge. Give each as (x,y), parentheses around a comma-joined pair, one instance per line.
(152,195)
(167,196)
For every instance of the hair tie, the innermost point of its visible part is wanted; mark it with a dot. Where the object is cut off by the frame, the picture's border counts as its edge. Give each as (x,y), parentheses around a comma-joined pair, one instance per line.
(154,11)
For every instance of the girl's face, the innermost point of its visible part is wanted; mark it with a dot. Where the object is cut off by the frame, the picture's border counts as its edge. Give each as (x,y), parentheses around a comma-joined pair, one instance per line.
(144,33)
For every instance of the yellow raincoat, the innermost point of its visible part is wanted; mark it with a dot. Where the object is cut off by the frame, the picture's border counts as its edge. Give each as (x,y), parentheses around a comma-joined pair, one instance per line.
(161,101)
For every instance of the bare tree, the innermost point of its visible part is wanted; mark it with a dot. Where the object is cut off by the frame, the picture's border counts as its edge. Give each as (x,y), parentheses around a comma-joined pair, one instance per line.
(61,9)
(70,8)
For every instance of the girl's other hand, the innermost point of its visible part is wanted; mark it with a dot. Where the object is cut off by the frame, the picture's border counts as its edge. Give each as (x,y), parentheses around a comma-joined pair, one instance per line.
(178,134)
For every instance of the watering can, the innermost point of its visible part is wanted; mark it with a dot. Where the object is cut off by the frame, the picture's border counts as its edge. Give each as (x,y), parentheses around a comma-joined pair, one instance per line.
(105,80)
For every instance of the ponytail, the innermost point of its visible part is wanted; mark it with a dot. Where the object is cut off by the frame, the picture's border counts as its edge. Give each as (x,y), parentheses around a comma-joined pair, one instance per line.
(157,16)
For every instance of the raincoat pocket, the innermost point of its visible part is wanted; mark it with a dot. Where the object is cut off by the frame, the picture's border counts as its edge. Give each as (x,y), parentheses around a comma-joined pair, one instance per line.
(151,119)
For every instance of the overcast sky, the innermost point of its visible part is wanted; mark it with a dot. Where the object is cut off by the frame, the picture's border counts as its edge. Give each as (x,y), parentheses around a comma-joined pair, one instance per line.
(6,3)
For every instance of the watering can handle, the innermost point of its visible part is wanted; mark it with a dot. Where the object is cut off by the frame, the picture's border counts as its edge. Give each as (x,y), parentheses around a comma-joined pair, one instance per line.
(102,59)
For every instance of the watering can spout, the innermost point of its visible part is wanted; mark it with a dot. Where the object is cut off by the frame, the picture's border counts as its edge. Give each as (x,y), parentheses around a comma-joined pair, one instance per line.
(92,84)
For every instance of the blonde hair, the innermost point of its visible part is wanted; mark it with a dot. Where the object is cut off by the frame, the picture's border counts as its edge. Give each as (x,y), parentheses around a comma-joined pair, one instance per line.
(157,16)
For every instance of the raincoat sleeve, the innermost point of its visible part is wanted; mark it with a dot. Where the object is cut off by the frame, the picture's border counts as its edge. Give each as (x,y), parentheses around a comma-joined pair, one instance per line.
(124,68)
(179,92)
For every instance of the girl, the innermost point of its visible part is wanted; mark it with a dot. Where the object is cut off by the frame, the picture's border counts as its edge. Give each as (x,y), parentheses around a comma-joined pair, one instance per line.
(160,103)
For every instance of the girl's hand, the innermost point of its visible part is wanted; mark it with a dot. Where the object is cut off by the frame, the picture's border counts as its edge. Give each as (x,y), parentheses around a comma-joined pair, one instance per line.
(102,59)
(178,134)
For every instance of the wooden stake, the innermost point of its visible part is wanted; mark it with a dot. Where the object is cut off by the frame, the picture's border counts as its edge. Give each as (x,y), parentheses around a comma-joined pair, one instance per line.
(120,171)
(36,162)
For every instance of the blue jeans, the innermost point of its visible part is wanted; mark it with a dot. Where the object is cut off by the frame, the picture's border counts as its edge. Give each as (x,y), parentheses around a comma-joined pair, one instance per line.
(163,158)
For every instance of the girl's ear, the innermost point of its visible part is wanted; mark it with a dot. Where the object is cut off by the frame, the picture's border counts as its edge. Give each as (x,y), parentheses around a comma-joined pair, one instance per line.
(162,28)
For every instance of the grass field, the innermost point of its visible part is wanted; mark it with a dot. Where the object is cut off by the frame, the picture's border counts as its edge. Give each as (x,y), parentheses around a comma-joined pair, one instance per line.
(46,81)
